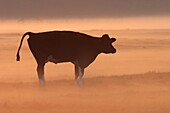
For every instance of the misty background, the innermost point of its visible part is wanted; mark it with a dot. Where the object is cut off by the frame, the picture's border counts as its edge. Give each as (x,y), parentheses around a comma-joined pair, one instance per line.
(31,9)
(83,14)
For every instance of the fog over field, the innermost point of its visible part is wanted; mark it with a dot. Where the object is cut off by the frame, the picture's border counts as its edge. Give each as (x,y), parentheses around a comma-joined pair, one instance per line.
(135,79)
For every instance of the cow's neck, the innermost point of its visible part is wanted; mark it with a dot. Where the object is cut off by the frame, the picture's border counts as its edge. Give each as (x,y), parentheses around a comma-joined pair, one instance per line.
(99,46)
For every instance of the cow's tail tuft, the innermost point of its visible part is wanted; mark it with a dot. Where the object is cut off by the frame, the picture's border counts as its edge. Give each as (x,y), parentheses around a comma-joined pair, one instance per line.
(18,56)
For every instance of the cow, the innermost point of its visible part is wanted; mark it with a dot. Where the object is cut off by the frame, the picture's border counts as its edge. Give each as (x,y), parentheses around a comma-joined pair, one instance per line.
(66,46)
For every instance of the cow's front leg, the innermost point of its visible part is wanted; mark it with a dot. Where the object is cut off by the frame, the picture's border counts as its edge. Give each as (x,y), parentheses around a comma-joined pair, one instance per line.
(79,72)
(40,71)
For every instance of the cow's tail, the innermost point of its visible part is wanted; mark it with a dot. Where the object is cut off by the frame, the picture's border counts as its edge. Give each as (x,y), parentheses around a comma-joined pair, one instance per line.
(18,56)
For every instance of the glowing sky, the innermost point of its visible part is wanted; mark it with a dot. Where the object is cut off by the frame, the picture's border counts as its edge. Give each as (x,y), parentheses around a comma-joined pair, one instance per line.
(24,9)
(84,14)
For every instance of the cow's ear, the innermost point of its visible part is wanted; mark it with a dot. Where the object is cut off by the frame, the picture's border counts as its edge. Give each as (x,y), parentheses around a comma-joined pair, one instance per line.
(105,36)
(113,39)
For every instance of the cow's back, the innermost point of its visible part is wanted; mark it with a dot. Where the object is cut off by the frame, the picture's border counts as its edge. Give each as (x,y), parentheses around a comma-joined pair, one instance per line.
(62,45)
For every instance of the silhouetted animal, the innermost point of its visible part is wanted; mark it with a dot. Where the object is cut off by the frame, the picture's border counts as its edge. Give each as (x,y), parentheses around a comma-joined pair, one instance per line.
(66,46)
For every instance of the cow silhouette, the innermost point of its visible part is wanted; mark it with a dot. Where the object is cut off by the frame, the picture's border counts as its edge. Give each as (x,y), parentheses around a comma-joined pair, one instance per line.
(66,46)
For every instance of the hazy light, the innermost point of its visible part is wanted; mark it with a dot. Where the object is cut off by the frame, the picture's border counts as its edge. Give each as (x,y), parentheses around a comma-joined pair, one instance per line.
(85,24)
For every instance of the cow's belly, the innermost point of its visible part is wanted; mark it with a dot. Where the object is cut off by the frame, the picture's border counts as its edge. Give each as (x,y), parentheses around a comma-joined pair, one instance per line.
(57,59)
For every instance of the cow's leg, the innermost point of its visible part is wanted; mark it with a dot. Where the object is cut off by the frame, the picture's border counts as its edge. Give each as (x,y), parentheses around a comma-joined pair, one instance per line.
(80,73)
(76,72)
(40,71)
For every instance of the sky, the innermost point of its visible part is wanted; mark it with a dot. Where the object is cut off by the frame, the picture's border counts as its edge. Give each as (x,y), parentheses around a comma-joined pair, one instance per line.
(68,12)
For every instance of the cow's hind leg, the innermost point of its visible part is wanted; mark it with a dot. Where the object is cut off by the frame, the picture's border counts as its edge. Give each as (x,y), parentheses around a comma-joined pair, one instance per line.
(80,72)
(76,72)
(40,71)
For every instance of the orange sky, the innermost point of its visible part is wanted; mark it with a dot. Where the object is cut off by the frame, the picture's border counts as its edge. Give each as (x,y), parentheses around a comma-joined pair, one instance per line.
(43,15)
(85,24)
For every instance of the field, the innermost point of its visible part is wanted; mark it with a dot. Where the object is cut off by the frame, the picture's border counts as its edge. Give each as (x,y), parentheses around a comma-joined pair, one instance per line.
(134,80)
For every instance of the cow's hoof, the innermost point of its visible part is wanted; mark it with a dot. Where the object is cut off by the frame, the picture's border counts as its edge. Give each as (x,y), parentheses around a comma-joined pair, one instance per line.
(80,82)
(42,82)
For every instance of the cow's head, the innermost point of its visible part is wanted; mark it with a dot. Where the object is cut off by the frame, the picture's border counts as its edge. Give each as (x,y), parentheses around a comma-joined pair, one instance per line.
(106,44)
